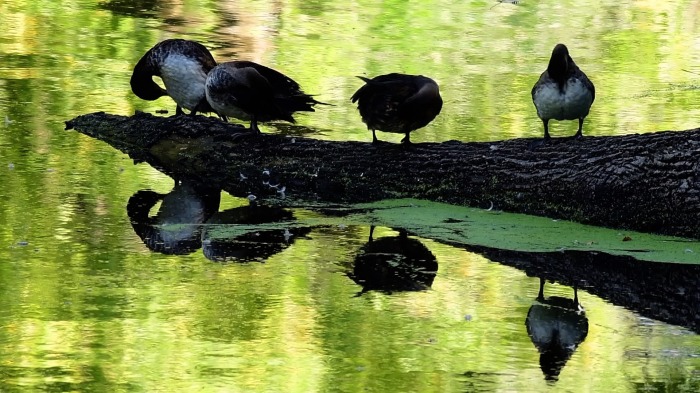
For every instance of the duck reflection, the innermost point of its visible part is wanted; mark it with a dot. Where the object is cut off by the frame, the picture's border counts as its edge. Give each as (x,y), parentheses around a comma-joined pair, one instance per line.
(396,263)
(176,228)
(556,326)
(227,239)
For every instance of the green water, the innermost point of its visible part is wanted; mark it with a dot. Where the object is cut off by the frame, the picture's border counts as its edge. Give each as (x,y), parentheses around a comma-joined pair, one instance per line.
(85,306)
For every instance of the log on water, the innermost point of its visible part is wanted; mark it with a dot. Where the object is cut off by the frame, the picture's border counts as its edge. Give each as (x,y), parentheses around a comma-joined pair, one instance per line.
(645,182)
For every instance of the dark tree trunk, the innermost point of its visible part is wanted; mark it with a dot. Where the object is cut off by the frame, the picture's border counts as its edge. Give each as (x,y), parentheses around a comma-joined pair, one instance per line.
(648,182)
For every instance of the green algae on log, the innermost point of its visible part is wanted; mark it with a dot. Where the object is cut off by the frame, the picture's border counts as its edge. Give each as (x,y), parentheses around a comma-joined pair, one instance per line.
(644,182)
(472,228)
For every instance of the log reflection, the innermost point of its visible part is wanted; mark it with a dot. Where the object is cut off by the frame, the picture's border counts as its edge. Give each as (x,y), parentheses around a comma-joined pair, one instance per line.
(396,263)
(668,292)
(556,325)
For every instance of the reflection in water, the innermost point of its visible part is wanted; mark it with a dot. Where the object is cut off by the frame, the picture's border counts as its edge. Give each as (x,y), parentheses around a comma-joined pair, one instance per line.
(666,291)
(79,311)
(224,240)
(176,228)
(135,8)
(179,226)
(556,326)
(396,263)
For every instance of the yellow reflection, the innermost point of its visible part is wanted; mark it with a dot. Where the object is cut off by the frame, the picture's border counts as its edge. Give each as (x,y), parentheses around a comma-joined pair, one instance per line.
(84,304)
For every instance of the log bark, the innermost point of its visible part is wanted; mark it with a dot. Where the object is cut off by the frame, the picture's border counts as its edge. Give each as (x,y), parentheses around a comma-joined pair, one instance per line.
(645,182)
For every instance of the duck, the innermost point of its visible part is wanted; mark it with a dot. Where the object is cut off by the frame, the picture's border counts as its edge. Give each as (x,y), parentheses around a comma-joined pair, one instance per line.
(556,326)
(563,91)
(183,66)
(253,92)
(397,103)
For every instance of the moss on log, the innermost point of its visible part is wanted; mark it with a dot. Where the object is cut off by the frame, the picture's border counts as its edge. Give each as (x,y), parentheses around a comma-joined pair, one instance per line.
(645,182)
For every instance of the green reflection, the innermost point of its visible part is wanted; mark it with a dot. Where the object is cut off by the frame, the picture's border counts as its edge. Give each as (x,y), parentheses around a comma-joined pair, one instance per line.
(85,307)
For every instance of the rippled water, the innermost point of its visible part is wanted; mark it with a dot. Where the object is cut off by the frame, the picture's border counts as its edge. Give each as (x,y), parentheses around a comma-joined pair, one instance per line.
(86,306)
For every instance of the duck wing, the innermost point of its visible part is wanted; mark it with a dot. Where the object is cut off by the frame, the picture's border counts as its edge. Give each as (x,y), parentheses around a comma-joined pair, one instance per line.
(245,88)
(390,88)
(278,82)
(381,99)
(289,96)
(586,82)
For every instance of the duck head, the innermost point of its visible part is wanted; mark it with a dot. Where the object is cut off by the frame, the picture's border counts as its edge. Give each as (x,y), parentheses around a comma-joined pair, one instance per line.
(142,83)
(560,64)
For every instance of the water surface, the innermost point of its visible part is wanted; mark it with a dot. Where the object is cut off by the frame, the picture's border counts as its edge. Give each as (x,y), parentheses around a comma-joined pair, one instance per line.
(86,306)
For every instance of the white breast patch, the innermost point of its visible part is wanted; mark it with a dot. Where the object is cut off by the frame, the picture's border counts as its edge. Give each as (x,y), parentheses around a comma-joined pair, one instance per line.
(184,80)
(573,103)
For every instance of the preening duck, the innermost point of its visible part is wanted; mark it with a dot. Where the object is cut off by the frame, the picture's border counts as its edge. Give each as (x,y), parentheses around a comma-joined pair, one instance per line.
(398,103)
(183,66)
(252,92)
(563,91)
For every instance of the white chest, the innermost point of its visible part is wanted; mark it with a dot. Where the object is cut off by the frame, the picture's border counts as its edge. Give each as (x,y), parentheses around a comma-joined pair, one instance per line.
(221,94)
(573,102)
(184,80)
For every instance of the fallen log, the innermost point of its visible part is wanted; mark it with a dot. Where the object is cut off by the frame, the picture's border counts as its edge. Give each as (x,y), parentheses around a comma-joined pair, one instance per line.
(645,182)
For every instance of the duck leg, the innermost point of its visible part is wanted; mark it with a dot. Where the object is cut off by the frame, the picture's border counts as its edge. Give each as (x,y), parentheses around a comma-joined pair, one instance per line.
(407,139)
(540,295)
(579,133)
(374,137)
(254,125)
(535,144)
(179,111)
(546,129)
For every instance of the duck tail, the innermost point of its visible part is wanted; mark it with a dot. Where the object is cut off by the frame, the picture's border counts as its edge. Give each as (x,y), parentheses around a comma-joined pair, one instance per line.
(298,103)
(362,90)
(316,102)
